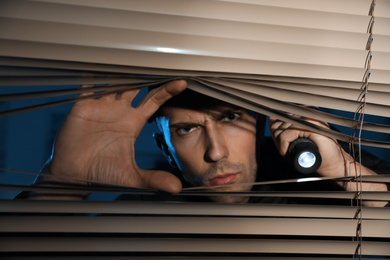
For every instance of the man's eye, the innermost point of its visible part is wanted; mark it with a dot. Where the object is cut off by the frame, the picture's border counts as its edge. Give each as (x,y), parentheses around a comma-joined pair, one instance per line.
(185,130)
(232,117)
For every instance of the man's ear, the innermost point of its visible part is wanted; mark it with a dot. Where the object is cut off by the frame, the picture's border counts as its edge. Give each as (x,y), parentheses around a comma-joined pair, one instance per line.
(162,144)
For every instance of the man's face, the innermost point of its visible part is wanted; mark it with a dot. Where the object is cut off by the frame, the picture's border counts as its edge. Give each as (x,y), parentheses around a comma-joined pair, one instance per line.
(213,147)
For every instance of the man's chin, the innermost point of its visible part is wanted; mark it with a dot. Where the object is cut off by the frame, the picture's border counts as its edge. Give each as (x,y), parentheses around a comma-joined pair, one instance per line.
(230,198)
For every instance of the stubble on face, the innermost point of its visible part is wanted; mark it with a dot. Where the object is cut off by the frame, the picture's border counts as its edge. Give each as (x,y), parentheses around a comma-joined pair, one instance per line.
(245,179)
(239,138)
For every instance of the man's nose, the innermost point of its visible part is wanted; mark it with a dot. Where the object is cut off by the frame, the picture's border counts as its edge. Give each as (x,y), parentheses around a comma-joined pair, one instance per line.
(216,148)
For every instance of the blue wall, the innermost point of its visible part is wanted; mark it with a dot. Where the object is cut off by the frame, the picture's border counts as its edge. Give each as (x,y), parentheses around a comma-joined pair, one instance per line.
(26,139)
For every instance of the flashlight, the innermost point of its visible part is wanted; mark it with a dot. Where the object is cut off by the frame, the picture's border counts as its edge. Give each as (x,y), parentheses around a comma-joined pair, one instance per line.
(305,155)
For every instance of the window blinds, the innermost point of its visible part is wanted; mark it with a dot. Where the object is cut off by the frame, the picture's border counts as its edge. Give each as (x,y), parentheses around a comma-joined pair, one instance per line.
(309,55)
(157,229)
(268,56)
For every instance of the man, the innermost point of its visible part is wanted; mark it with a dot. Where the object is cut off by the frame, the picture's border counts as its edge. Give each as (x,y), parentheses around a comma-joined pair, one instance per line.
(212,143)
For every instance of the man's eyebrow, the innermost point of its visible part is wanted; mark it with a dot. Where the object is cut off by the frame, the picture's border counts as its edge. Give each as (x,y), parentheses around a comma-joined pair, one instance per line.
(228,111)
(232,110)
(216,114)
(184,125)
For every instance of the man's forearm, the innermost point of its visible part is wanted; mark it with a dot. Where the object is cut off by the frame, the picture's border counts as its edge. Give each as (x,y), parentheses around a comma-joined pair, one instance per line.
(354,168)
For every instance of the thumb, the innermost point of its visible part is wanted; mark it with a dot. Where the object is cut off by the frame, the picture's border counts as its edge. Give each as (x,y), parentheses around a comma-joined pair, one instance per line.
(162,180)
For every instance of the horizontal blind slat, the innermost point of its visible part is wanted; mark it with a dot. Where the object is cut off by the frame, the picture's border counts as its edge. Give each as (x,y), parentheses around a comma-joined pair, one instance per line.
(98,244)
(192,225)
(187,25)
(22,49)
(375,105)
(137,40)
(189,209)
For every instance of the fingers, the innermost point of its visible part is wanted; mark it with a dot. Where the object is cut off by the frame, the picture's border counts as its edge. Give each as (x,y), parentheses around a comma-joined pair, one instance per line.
(285,133)
(88,90)
(129,95)
(161,180)
(282,134)
(277,126)
(112,93)
(155,98)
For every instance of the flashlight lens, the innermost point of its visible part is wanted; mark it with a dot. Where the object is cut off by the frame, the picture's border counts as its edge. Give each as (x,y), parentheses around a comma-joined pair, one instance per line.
(306,159)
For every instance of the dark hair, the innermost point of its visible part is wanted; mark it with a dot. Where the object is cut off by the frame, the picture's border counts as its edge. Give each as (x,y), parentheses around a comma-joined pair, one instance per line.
(190,99)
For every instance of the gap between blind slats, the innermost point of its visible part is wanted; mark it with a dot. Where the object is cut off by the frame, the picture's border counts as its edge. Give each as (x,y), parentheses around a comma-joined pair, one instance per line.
(69,80)
(32,81)
(114,89)
(258,87)
(119,87)
(194,225)
(254,85)
(20,62)
(9,71)
(189,209)
(115,244)
(267,107)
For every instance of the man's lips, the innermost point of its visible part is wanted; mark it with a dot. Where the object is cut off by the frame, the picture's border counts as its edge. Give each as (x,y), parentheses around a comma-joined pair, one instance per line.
(224,179)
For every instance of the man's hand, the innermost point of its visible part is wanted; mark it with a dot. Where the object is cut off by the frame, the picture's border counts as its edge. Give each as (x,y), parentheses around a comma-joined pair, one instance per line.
(333,156)
(96,141)
(335,161)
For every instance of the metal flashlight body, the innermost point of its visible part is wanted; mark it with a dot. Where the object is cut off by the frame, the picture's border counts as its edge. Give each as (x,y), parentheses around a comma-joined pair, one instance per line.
(305,155)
